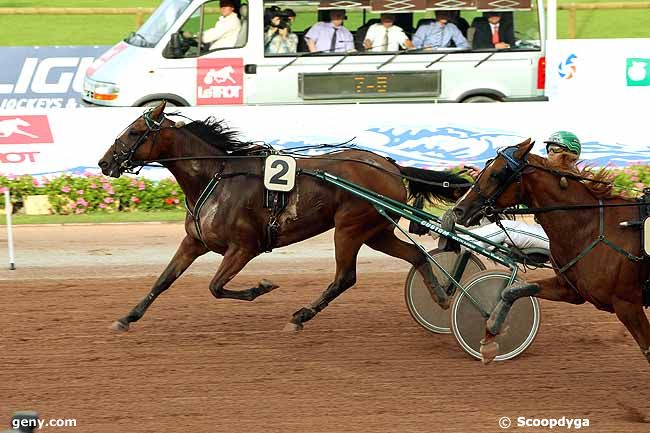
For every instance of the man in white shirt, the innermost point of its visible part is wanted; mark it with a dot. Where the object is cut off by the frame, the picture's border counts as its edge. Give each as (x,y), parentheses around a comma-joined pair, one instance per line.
(226,29)
(385,36)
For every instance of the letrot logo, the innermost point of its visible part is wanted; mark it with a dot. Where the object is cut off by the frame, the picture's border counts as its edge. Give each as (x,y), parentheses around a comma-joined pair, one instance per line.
(638,72)
(220,76)
(220,81)
(25,129)
(567,69)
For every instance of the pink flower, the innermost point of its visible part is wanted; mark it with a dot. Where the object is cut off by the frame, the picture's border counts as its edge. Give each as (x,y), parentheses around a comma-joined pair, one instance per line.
(639,185)
(134,182)
(78,211)
(93,186)
(173,193)
(107,186)
(3,189)
(110,192)
(102,206)
(11,177)
(134,199)
(73,205)
(65,189)
(108,200)
(634,178)
(80,191)
(175,201)
(35,182)
(141,186)
(82,202)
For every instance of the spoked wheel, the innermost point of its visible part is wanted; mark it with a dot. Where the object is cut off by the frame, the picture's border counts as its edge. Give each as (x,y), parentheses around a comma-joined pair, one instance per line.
(468,324)
(422,307)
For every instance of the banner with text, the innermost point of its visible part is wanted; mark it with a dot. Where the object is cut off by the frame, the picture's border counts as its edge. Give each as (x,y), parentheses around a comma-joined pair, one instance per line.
(44,77)
(50,142)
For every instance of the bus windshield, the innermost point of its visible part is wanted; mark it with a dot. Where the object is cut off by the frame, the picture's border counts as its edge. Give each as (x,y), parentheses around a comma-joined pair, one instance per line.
(158,24)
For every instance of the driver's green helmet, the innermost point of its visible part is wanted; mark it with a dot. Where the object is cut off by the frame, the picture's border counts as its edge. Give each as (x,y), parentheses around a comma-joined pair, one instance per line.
(565,139)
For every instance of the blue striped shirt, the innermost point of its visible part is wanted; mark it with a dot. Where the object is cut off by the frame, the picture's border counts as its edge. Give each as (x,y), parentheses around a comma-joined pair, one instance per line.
(433,35)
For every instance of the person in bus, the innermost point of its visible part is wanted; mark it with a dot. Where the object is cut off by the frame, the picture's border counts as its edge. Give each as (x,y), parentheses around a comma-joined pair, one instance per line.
(439,34)
(386,36)
(492,32)
(563,149)
(330,36)
(226,29)
(279,39)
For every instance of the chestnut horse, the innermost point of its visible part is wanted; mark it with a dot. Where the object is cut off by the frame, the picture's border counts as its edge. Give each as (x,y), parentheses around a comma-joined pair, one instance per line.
(233,221)
(595,259)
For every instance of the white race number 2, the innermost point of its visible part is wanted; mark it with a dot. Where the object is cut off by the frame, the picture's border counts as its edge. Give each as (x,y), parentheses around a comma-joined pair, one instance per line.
(279,173)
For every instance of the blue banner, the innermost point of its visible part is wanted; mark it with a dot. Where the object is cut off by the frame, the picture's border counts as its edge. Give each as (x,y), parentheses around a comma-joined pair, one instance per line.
(44,77)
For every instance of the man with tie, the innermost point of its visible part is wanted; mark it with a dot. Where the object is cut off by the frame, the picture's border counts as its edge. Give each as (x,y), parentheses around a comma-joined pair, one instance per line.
(385,36)
(493,32)
(439,34)
(330,37)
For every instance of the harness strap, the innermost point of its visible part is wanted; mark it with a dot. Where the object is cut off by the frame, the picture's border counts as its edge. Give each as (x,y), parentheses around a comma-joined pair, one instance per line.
(601,238)
(204,196)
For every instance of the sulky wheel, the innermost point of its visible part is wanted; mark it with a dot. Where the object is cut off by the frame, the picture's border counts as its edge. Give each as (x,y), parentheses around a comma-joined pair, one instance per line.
(422,307)
(468,324)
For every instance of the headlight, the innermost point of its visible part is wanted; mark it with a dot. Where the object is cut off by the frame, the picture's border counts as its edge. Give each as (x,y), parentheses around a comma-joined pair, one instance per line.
(100,91)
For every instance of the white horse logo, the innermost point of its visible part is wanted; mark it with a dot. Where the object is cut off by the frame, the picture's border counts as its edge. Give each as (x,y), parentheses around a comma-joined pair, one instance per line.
(10,127)
(220,75)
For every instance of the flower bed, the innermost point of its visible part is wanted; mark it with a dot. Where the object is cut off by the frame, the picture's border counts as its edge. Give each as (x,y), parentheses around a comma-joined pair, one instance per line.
(93,193)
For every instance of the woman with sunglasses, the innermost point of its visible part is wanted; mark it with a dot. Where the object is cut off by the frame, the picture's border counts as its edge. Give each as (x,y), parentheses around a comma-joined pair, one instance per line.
(563,149)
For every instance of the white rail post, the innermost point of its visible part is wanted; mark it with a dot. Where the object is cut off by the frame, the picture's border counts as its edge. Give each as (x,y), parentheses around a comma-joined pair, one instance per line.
(10,231)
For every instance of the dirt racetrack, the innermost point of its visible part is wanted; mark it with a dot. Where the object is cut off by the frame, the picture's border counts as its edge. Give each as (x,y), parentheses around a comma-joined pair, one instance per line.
(194,363)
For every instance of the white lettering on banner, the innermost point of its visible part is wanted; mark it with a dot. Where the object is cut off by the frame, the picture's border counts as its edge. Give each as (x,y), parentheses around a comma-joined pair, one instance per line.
(40,83)
(17,157)
(219,92)
(32,103)
(45,78)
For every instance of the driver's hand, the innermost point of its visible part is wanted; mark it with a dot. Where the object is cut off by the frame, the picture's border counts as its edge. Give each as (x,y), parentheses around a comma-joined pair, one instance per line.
(472,171)
(187,35)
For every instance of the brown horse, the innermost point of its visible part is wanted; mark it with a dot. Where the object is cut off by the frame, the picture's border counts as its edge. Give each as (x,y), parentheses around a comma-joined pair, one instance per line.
(234,222)
(595,259)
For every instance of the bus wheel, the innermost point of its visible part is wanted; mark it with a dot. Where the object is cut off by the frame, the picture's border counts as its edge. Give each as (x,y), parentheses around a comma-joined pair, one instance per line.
(480,98)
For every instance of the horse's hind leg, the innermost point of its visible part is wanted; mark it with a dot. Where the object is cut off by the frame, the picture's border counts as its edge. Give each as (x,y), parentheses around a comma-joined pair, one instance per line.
(187,252)
(234,261)
(636,322)
(347,244)
(387,242)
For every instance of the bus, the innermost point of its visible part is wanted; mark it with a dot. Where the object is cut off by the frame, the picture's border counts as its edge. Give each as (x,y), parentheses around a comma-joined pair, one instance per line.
(167,59)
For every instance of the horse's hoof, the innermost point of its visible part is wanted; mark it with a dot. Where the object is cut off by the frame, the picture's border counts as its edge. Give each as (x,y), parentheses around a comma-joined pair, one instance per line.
(292,327)
(120,326)
(489,351)
(267,285)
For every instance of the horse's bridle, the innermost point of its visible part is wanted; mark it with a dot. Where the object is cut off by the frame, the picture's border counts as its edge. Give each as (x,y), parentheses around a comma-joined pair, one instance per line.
(511,173)
(153,126)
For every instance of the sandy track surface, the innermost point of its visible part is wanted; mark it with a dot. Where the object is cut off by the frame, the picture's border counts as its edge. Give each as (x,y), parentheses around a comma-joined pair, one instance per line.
(194,363)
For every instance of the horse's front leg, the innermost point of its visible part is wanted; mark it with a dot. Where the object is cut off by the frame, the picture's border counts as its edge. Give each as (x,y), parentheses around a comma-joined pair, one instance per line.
(552,289)
(233,262)
(187,252)
(635,320)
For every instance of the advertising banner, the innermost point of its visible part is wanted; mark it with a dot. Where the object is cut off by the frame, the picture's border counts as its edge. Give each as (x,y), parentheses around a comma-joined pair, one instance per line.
(44,77)
(598,69)
(50,142)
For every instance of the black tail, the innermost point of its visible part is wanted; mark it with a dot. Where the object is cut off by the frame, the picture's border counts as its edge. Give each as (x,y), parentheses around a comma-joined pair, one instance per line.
(435,186)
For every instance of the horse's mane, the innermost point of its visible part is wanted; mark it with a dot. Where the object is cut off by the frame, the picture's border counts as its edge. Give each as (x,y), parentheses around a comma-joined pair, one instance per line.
(600,183)
(217,134)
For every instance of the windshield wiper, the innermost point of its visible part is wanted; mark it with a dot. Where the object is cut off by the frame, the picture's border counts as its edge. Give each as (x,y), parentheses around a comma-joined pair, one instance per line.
(136,35)
(308,54)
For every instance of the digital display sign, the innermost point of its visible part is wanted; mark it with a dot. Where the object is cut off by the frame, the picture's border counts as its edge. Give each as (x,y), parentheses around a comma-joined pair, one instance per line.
(369,85)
